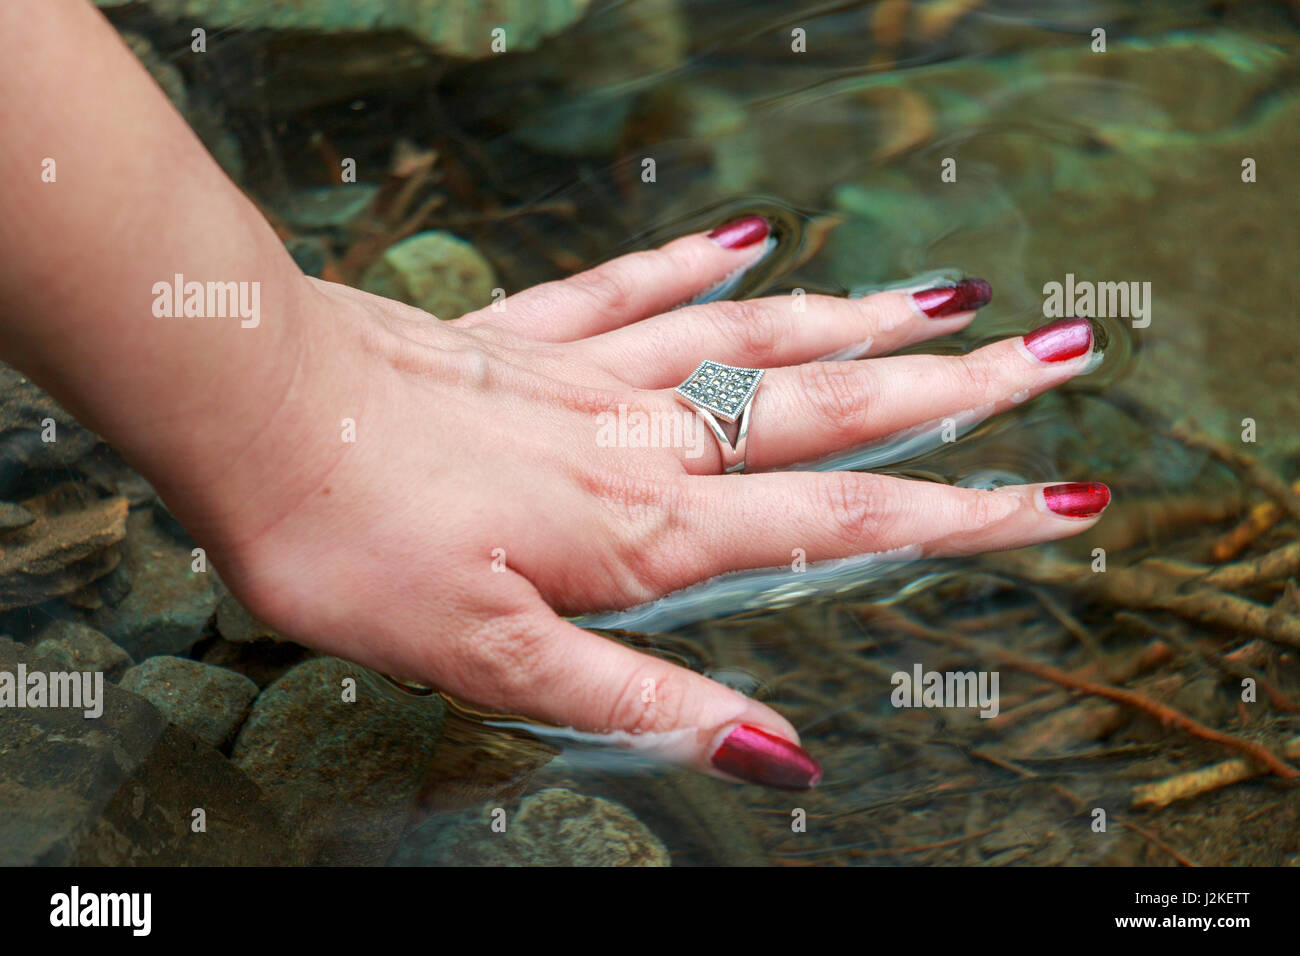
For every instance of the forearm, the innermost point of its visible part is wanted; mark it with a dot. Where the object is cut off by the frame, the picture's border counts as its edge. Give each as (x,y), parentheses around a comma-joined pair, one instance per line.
(136,200)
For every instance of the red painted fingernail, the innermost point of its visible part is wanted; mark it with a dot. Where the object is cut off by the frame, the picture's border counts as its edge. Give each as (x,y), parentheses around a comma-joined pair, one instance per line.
(1060,340)
(741,232)
(966,295)
(1077,499)
(761,757)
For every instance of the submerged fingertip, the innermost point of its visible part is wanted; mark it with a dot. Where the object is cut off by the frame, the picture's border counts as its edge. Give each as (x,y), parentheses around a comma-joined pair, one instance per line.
(756,755)
(1059,341)
(1077,499)
(741,233)
(944,301)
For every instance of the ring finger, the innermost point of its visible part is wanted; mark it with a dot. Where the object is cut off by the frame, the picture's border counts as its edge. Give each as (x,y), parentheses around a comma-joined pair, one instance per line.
(806,412)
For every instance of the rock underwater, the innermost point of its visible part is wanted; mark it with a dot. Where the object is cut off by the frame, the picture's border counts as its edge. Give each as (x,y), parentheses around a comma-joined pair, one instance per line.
(124,788)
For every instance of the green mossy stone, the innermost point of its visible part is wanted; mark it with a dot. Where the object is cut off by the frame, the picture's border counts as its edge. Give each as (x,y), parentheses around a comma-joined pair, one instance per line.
(342,775)
(552,827)
(434,271)
(208,702)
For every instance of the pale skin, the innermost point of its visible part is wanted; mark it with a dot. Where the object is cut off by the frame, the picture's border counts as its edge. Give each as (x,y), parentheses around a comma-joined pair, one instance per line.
(472,435)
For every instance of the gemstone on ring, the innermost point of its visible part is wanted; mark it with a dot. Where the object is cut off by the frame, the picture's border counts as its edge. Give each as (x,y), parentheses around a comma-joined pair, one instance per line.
(724,390)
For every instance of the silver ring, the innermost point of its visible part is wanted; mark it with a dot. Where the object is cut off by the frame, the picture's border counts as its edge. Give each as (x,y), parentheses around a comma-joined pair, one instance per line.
(725,392)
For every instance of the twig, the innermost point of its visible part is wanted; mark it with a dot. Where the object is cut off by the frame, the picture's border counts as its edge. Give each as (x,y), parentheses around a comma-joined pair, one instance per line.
(1146,587)
(1156,841)
(1257,473)
(1215,659)
(1283,562)
(1260,519)
(942,845)
(1152,796)
(1167,716)
(1060,789)
(1070,623)
(1119,671)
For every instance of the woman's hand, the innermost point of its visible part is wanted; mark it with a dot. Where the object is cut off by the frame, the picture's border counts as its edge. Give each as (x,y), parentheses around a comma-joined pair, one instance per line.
(423,497)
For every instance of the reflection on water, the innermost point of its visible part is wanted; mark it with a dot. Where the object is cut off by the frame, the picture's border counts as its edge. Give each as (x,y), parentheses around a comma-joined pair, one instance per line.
(890,143)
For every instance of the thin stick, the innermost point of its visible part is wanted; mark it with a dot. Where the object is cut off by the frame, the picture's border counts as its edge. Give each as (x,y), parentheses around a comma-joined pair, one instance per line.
(1259,520)
(955,841)
(1166,715)
(1155,840)
(1279,563)
(1147,587)
(1260,475)
(1214,658)
(1153,796)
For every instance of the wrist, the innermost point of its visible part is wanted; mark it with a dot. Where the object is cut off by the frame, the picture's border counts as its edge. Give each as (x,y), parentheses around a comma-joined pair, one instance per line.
(239,452)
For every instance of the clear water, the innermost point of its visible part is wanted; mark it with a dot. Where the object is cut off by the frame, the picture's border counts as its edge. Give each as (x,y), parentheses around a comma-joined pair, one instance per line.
(1123,165)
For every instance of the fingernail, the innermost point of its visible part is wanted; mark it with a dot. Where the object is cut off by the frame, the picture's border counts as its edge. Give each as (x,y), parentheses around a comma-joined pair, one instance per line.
(760,757)
(1077,499)
(948,300)
(1060,340)
(741,232)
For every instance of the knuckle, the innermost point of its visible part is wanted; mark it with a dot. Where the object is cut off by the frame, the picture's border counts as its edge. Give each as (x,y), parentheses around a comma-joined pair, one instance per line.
(646,516)
(987,508)
(857,506)
(837,393)
(470,367)
(586,400)
(632,496)
(661,342)
(652,699)
(647,573)
(608,289)
(495,337)
(883,312)
(978,376)
(752,328)
(682,257)
(504,656)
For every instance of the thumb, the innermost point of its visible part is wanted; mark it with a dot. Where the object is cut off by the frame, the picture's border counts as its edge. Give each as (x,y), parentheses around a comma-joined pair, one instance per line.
(577,679)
